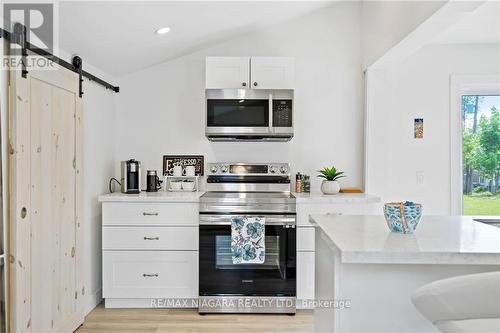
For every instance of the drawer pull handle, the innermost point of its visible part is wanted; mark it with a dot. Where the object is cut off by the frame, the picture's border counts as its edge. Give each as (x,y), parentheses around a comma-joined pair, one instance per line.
(150,275)
(150,214)
(151,238)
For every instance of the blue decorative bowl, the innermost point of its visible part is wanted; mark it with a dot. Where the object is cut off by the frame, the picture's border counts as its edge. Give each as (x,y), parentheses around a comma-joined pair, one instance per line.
(402,217)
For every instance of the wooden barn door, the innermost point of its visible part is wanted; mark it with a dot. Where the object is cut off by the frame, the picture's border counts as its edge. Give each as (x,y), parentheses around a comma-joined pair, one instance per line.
(45,194)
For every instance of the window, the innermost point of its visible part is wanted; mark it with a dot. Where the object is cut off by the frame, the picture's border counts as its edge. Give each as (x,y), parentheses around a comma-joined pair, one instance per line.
(481,154)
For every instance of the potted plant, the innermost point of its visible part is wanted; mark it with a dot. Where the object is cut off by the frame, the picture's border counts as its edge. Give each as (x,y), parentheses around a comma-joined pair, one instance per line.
(330,185)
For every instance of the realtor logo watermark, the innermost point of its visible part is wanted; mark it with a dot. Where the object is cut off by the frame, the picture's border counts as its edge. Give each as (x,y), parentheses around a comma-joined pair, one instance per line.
(250,302)
(38,18)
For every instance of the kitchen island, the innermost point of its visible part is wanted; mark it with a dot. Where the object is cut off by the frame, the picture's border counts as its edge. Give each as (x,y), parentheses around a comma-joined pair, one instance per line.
(370,273)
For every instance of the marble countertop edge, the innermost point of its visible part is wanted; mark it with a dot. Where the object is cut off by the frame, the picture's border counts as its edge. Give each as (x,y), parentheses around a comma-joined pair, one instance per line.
(449,240)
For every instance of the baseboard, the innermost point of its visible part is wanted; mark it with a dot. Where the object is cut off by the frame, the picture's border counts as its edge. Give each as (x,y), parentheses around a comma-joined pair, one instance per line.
(134,303)
(92,300)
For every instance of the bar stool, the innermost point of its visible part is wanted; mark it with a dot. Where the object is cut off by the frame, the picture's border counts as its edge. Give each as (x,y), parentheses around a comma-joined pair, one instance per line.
(462,304)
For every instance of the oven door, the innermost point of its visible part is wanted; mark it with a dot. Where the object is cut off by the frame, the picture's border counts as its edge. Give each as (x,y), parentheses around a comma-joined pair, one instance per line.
(238,117)
(219,276)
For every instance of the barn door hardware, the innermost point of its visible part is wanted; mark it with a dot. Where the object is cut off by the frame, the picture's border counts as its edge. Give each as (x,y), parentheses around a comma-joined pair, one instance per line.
(78,64)
(20,39)
(19,36)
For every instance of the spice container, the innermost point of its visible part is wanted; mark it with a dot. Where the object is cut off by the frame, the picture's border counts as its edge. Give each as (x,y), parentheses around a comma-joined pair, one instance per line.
(307,184)
(298,183)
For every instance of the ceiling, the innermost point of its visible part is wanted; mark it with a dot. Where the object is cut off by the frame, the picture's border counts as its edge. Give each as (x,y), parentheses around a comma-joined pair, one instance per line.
(118,36)
(481,26)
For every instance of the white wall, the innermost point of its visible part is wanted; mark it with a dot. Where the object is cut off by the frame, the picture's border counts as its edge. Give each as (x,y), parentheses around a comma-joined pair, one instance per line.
(385,23)
(161,109)
(418,88)
(99,124)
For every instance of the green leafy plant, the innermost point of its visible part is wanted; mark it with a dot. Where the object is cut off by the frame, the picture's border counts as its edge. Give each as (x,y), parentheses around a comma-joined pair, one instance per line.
(330,173)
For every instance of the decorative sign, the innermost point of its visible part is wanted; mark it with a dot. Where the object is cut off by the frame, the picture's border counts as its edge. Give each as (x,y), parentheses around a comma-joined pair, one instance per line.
(169,161)
(418,128)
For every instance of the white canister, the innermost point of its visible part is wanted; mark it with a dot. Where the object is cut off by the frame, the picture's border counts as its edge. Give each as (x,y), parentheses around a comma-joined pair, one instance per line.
(190,171)
(176,171)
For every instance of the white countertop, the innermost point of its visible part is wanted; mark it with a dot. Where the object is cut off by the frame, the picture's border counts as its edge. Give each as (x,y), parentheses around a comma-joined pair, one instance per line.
(160,196)
(437,240)
(336,198)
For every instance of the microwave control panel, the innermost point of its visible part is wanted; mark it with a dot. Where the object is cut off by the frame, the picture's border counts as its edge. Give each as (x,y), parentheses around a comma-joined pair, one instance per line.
(282,113)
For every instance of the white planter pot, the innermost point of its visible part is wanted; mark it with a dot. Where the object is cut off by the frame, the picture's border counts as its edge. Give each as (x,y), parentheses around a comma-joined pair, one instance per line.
(330,187)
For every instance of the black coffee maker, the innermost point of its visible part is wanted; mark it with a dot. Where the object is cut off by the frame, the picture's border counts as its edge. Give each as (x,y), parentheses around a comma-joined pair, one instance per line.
(131,176)
(153,182)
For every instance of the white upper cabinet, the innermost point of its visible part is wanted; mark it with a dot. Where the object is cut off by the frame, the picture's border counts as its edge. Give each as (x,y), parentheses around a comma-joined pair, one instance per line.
(250,73)
(272,73)
(227,72)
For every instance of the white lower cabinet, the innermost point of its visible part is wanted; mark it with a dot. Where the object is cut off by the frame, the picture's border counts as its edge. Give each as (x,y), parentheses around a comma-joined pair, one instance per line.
(150,274)
(306,242)
(305,265)
(305,239)
(305,276)
(150,253)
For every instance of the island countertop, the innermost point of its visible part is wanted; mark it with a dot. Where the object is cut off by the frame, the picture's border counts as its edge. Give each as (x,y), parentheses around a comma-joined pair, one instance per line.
(437,240)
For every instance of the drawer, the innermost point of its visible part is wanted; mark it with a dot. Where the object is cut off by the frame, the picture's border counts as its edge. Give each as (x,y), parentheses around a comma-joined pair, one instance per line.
(305,239)
(304,210)
(138,213)
(150,238)
(150,274)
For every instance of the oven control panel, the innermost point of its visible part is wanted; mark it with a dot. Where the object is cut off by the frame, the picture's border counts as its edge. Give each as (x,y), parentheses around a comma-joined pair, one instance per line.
(248,169)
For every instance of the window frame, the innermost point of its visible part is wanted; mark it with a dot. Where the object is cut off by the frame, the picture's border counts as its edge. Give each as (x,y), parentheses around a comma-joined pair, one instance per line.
(461,85)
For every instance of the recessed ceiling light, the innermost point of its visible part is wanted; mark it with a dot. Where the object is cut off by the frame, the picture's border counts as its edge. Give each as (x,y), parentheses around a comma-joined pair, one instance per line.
(162,31)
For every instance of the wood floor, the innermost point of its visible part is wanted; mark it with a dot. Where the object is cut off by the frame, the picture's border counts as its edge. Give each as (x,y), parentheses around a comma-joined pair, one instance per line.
(188,320)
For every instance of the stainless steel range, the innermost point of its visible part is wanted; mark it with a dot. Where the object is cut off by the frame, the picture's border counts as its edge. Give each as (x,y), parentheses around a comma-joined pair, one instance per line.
(247,190)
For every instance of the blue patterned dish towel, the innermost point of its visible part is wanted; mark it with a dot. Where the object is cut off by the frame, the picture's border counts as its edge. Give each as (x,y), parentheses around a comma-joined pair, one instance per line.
(248,240)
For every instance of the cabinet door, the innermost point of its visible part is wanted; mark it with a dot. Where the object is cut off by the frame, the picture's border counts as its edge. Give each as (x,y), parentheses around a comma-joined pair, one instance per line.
(305,239)
(305,275)
(272,73)
(227,72)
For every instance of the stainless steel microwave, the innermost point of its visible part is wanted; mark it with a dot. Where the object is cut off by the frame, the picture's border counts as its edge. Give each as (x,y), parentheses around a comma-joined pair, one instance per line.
(249,115)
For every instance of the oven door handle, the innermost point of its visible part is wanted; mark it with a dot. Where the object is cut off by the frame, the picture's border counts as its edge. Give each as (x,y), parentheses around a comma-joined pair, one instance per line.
(226,220)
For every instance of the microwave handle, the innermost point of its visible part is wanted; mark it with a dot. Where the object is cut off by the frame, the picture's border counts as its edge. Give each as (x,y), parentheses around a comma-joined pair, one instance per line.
(271,113)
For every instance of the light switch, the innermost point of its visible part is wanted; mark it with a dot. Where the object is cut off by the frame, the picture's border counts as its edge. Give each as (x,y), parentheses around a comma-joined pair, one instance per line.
(420,177)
